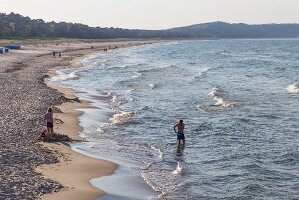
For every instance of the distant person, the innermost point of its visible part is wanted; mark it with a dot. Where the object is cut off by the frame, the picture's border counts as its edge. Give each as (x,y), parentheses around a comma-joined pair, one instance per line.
(179,130)
(54,54)
(49,119)
(59,54)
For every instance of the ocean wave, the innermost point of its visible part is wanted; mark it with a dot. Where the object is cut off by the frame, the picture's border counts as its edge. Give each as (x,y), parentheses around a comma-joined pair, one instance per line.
(136,64)
(290,157)
(152,85)
(253,188)
(158,151)
(203,108)
(103,127)
(294,88)
(60,76)
(131,89)
(163,69)
(178,169)
(137,75)
(216,93)
(121,117)
(201,72)
(121,66)
(142,110)
(114,100)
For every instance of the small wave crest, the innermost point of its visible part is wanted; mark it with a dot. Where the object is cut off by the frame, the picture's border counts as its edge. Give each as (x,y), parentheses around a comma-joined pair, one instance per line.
(137,75)
(178,169)
(152,85)
(136,64)
(168,69)
(114,100)
(217,95)
(202,108)
(201,72)
(121,117)
(103,127)
(158,151)
(61,76)
(253,188)
(294,88)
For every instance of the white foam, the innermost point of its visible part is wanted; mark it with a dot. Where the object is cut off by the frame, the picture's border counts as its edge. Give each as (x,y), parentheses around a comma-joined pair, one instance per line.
(137,75)
(219,101)
(178,169)
(152,85)
(204,69)
(131,90)
(60,76)
(113,98)
(294,88)
(103,127)
(158,151)
(121,117)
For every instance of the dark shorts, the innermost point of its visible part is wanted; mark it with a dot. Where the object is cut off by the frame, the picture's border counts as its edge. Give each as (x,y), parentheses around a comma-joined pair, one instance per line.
(180,136)
(49,124)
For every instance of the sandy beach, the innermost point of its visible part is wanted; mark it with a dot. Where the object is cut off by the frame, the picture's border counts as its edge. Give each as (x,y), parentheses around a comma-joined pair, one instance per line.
(34,169)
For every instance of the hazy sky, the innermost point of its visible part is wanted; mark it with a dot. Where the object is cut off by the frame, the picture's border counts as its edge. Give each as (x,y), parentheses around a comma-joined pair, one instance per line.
(155,14)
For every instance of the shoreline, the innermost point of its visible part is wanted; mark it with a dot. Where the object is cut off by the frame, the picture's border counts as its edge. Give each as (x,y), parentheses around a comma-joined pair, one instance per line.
(75,170)
(30,168)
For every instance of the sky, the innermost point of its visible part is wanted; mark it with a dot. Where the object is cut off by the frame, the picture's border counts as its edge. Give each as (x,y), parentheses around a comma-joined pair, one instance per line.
(155,14)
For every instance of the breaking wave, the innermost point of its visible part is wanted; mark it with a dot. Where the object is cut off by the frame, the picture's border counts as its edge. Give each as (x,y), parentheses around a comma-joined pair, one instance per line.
(121,117)
(294,88)
(217,95)
(61,76)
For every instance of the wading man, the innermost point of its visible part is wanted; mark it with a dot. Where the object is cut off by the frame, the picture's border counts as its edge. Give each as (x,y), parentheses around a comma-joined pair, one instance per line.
(179,130)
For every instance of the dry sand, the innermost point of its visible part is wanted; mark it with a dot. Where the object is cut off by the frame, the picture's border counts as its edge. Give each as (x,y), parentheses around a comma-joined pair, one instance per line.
(74,170)
(46,170)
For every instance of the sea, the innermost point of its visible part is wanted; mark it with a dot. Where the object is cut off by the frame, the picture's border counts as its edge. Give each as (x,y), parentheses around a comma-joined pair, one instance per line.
(238,98)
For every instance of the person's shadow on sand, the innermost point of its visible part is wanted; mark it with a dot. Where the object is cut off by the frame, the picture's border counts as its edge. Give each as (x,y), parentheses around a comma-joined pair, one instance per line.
(56,138)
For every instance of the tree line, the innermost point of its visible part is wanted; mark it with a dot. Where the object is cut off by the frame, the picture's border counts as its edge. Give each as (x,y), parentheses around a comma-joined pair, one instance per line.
(17,26)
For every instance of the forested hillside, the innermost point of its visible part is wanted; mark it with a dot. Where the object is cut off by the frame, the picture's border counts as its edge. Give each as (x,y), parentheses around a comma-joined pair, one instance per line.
(16,26)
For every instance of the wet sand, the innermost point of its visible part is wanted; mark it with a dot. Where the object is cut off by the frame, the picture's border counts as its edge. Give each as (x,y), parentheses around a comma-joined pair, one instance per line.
(34,169)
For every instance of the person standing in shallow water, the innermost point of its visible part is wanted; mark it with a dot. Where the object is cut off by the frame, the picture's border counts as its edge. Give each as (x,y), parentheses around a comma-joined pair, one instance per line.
(179,130)
(49,119)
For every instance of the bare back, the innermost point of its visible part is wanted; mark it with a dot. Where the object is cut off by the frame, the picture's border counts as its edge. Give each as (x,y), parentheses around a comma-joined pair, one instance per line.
(180,127)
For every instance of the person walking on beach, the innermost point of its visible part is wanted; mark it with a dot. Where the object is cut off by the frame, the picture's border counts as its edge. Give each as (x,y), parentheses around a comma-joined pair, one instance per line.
(179,130)
(49,119)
